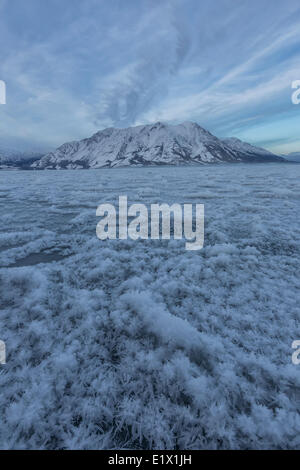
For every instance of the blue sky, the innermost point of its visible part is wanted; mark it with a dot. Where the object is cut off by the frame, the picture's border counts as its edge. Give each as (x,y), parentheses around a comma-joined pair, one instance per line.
(73,67)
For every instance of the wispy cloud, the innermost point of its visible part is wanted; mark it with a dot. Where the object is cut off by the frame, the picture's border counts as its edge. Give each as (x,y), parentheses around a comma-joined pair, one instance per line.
(74,67)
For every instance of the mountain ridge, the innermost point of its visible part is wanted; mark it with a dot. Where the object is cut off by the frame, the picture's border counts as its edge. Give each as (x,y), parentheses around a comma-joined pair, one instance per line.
(12,158)
(293,157)
(151,144)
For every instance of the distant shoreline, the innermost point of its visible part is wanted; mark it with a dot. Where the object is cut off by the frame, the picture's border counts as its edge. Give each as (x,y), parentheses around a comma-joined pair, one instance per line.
(12,168)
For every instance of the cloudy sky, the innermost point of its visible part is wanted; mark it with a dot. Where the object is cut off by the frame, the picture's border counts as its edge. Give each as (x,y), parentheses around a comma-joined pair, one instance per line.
(73,67)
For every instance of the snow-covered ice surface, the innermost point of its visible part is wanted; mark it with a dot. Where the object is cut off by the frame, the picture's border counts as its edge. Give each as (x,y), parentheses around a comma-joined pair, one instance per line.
(124,344)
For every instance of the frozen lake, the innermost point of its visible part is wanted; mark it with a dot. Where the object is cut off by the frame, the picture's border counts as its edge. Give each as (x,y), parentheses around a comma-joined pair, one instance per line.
(142,344)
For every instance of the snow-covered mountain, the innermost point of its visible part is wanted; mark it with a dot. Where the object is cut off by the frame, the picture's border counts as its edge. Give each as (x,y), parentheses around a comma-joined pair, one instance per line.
(10,158)
(154,144)
(249,152)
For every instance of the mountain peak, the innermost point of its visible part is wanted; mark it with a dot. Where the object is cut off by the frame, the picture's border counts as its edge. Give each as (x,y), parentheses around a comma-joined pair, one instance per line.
(159,143)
